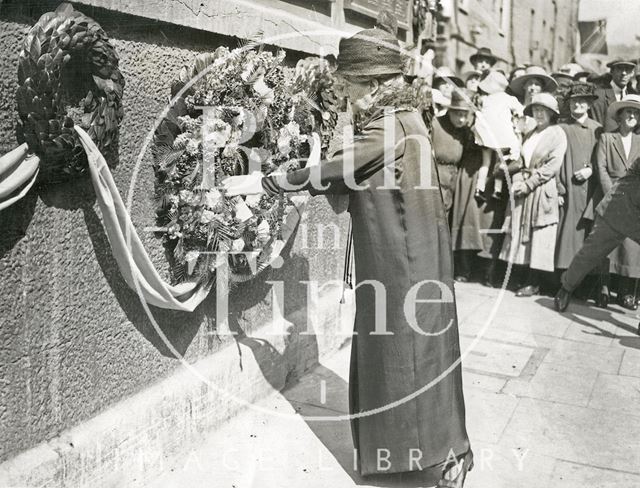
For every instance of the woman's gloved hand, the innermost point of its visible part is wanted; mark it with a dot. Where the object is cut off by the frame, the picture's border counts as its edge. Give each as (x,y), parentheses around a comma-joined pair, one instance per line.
(250,184)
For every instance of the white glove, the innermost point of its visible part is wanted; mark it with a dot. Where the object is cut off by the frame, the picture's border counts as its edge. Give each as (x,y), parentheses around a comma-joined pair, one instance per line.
(583,174)
(243,185)
(316,151)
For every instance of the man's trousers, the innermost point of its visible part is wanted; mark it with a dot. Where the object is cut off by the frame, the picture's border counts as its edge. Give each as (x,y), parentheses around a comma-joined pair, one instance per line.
(600,243)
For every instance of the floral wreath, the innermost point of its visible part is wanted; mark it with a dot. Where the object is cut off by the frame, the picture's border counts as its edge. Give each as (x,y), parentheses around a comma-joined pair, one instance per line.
(264,113)
(67,75)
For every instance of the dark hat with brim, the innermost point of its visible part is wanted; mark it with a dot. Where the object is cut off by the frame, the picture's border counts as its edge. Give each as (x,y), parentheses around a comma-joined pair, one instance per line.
(621,62)
(582,90)
(582,74)
(461,100)
(368,53)
(483,52)
(444,73)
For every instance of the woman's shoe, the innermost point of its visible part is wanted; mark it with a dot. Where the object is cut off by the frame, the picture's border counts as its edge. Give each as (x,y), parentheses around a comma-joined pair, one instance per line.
(528,291)
(461,279)
(457,481)
(628,302)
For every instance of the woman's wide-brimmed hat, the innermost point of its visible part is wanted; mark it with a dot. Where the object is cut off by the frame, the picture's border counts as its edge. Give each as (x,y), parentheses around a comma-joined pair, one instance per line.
(446,74)
(493,82)
(571,69)
(582,90)
(546,100)
(548,83)
(368,53)
(629,101)
(461,100)
(483,52)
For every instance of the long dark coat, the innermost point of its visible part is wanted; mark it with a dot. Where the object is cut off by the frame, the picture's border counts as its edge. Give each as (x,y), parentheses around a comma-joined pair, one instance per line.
(573,228)
(401,239)
(448,145)
(612,165)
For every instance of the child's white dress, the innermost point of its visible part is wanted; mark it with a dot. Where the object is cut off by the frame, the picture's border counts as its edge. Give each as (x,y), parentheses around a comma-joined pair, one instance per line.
(494,127)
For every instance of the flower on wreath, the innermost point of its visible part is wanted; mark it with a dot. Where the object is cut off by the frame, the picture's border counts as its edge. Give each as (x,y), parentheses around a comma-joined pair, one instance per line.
(207,217)
(218,133)
(289,134)
(213,198)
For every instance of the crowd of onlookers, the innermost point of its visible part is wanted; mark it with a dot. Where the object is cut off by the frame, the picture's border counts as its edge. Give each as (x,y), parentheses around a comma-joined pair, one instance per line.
(523,159)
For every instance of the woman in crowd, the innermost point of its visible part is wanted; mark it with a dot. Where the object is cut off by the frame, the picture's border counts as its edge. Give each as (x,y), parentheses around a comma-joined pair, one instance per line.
(472,79)
(531,223)
(616,153)
(575,179)
(401,240)
(445,81)
(449,134)
(534,80)
(465,217)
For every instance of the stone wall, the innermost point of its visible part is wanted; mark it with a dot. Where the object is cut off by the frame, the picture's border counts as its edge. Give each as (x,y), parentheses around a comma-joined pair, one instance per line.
(74,339)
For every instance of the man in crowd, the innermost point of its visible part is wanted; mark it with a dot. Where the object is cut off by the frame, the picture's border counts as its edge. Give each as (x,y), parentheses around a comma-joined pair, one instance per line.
(611,88)
(618,217)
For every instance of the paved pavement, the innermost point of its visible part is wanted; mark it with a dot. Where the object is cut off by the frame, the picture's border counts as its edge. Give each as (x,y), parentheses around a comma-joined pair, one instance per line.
(553,400)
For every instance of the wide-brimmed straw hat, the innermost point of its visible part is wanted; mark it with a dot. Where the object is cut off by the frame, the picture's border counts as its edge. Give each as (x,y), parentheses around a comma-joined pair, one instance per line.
(629,101)
(483,52)
(571,69)
(546,100)
(461,100)
(618,62)
(447,74)
(493,82)
(368,53)
(582,90)
(548,83)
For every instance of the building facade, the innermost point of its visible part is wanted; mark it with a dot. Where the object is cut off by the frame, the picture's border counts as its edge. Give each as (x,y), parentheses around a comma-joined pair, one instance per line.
(541,32)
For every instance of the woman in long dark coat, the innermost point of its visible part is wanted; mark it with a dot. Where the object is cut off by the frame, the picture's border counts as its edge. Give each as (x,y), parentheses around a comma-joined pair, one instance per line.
(616,153)
(449,133)
(402,242)
(575,176)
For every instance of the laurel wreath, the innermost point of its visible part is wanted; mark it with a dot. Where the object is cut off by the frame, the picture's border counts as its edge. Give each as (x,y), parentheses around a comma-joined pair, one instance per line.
(195,220)
(67,75)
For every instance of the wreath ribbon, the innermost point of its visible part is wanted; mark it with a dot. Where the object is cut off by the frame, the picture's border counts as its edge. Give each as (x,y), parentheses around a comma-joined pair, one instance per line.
(134,262)
(18,173)
(135,265)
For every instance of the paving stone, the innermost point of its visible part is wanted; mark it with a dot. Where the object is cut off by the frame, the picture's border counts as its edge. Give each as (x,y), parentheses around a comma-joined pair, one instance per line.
(631,363)
(500,467)
(482,381)
(488,414)
(494,357)
(572,475)
(556,382)
(585,356)
(576,434)
(617,394)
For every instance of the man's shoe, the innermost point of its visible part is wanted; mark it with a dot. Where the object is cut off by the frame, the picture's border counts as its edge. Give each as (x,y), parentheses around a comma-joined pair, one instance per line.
(528,291)
(628,302)
(602,299)
(562,299)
